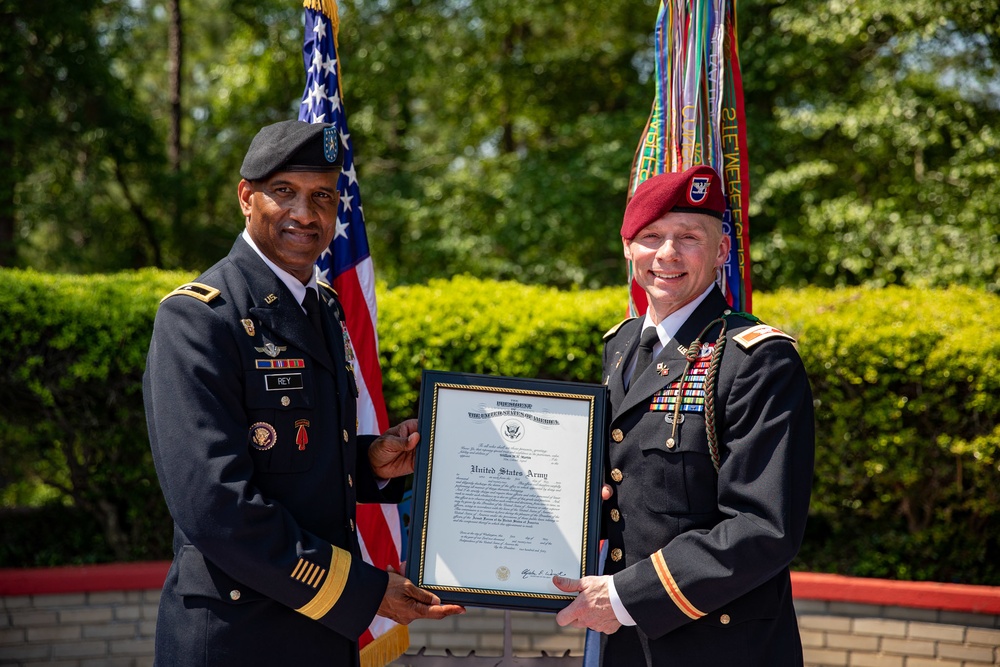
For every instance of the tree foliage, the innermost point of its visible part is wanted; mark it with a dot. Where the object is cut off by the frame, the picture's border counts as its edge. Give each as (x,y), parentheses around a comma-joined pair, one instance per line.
(878,159)
(494,137)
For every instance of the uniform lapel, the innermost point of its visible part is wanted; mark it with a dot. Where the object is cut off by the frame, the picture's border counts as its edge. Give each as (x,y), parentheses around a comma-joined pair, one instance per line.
(337,345)
(275,307)
(620,347)
(671,356)
(652,381)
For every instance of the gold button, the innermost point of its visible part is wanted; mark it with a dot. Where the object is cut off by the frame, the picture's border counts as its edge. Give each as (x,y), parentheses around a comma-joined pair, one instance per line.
(670,443)
(345,435)
(350,481)
(234,595)
(617,435)
(286,401)
(724,619)
(616,555)
(615,516)
(616,475)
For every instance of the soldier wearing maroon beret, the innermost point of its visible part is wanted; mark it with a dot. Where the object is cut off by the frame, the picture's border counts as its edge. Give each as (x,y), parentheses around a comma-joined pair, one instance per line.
(710,455)
(251,405)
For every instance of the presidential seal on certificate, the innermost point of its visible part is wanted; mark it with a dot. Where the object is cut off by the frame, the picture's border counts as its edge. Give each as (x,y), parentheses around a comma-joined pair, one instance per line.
(506,488)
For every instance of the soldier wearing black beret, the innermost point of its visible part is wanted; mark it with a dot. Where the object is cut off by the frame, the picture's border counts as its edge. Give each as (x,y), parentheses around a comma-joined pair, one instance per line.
(710,455)
(251,407)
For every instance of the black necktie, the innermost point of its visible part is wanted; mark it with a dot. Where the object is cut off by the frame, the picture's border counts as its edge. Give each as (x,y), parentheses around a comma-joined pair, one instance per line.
(311,304)
(644,356)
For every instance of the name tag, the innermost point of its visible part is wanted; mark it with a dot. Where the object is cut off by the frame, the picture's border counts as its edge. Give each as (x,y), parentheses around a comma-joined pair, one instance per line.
(283,382)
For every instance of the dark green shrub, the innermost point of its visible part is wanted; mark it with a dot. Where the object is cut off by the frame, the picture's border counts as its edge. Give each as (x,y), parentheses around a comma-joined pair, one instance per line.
(906,383)
(72,352)
(908,422)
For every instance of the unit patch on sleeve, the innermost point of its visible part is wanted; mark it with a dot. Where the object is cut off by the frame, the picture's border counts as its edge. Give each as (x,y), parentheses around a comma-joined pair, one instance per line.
(758,334)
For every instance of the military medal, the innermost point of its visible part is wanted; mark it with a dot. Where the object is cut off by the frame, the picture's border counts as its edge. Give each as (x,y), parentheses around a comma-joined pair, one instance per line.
(279,363)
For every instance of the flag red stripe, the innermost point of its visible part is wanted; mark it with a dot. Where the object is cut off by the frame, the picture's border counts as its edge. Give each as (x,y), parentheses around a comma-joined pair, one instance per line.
(362,332)
(378,540)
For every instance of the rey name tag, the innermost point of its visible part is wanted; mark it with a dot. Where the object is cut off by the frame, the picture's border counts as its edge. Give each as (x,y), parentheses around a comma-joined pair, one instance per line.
(283,382)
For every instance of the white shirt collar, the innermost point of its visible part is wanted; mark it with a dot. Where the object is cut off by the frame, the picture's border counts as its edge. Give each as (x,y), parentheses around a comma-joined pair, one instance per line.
(293,284)
(669,327)
(666,329)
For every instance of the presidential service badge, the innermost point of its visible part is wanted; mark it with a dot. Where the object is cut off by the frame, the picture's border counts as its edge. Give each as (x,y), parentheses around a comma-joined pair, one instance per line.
(698,189)
(263,436)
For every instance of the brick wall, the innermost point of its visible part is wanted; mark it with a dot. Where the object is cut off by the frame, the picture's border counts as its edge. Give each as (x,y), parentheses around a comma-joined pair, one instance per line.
(104,628)
(106,615)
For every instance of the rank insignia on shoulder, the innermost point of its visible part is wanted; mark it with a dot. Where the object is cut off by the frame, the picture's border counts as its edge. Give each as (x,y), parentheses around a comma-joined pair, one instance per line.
(327,286)
(758,334)
(613,330)
(197,290)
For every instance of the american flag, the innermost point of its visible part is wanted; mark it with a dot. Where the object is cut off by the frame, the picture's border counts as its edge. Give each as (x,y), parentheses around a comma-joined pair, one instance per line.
(347,265)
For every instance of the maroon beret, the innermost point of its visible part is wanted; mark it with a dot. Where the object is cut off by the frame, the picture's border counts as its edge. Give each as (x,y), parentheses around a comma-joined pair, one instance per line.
(697,190)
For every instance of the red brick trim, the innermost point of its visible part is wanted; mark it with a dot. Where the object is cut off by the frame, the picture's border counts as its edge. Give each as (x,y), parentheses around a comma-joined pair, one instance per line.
(805,586)
(83,578)
(912,594)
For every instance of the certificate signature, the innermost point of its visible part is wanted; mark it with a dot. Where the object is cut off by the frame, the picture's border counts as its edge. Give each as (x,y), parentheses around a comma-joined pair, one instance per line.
(541,574)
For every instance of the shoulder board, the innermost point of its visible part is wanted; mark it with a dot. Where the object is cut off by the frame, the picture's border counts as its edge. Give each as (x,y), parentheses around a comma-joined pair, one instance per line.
(197,290)
(758,334)
(613,330)
(746,316)
(328,287)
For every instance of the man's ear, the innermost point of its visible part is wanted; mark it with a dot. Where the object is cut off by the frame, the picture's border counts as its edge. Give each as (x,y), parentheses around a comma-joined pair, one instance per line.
(243,191)
(628,250)
(724,243)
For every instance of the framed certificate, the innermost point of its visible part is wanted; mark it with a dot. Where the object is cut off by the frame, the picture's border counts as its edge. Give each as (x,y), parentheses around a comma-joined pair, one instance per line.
(506,491)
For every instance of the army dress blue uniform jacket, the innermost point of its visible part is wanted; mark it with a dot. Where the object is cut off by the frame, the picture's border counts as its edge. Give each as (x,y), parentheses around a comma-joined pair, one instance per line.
(252,420)
(699,557)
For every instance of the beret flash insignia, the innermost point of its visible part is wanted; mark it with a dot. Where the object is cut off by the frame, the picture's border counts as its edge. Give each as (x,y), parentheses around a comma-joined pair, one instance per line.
(331,143)
(699,189)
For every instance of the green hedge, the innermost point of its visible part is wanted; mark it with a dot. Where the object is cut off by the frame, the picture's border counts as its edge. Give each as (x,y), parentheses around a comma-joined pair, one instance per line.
(906,383)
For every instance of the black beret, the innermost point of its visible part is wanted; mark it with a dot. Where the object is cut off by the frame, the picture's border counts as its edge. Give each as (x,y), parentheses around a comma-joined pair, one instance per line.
(293,145)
